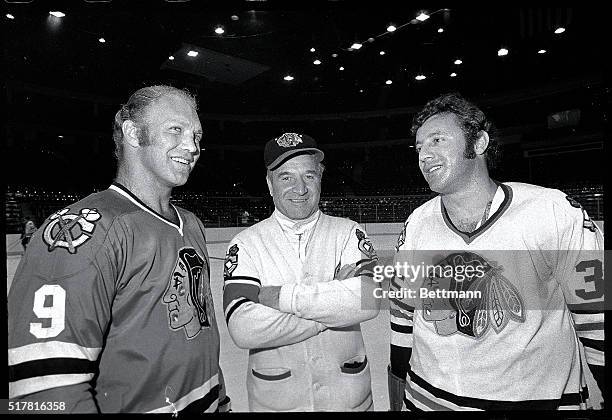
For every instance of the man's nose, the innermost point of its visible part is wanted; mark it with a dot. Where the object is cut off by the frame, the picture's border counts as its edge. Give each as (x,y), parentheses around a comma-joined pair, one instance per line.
(300,187)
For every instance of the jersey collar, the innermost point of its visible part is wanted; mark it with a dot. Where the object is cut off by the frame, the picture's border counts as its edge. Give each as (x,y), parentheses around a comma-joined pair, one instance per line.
(115,186)
(468,238)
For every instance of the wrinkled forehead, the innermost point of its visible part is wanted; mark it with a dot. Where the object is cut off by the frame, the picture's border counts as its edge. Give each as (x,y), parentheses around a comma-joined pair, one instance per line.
(173,106)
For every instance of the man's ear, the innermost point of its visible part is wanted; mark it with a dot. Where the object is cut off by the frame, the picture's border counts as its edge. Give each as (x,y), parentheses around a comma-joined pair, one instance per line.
(269,182)
(482,143)
(131,133)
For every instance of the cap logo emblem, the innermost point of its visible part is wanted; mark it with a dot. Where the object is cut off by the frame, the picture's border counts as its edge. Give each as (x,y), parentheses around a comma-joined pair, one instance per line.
(289,140)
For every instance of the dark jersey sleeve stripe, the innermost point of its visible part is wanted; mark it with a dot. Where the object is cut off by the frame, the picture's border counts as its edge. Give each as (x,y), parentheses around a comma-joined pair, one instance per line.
(55,366)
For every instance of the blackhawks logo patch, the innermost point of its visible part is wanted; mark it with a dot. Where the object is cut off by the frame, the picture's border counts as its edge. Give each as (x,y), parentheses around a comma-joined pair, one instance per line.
(401,239)
(231,261)
(365,245)
(188,298)
(587,223)
(69,230)
(289,140)
(498,304)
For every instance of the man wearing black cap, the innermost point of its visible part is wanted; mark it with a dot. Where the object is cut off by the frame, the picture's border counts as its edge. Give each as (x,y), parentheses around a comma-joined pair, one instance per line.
(297,287)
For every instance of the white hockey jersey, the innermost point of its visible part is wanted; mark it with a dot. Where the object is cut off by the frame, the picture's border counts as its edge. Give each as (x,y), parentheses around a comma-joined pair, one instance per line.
(521,342)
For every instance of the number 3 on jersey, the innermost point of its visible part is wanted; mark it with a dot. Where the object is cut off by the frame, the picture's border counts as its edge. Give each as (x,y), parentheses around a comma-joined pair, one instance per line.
(596,278)
(55,311)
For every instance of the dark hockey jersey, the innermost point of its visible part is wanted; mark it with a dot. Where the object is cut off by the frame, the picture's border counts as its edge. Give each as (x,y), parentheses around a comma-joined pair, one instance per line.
(111,309)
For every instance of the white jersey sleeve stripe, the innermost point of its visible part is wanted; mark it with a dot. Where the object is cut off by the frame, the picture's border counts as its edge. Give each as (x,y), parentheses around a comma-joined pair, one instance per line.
(595,357)
(40,383)
(194,395)
(402,340)
(51,350)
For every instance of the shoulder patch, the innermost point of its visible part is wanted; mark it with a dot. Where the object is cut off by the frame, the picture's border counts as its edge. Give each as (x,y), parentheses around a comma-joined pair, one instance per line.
(69,230)
(231,261)
(587,223)
(365,245)
(573,202)
(401,240)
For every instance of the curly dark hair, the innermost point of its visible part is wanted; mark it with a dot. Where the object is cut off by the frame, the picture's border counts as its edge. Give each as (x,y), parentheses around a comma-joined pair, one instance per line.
(471,119)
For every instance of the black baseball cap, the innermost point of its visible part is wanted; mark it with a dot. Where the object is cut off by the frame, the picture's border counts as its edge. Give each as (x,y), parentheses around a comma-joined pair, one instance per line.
(288,145)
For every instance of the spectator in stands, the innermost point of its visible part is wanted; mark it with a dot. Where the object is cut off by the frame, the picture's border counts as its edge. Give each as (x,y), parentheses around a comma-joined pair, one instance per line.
(29,227)
(522,341)
(110,309)
(297,286)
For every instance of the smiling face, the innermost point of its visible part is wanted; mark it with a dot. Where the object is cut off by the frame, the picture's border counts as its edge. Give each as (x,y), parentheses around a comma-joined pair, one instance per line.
(440,143)
(170,141)
(295,187)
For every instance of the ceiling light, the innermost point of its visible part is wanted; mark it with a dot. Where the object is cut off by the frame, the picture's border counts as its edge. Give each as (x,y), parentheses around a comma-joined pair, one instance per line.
(440,30)
(360,90)
(391,28)
(422,17)
(341,68)
(382,53)
(370,39)
(420,77)
(288,78)
(334,55)
(171,58)
(312,49)
(192,53)
(234,17)
(542,51)
(453,74)
(101,40)
(219,30)
(388,82)
(457,62)
(502,52)
(560,30)
(316,62)
(8,15)
(60,137)
(57,14)
(356,46)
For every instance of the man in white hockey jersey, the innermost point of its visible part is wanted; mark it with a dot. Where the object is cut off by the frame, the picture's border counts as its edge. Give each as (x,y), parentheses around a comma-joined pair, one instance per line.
(297,286)
(509,312)
(110,309)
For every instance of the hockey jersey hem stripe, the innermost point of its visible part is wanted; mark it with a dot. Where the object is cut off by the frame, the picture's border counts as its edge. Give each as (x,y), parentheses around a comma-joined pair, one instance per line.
(411,407)
(208,393)
(49,350)
(54,366)
(484,404)
(40,383)
(426,401)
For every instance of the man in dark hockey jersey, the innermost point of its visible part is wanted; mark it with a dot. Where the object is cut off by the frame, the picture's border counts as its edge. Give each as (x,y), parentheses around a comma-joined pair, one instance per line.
(533,338)
(110,309)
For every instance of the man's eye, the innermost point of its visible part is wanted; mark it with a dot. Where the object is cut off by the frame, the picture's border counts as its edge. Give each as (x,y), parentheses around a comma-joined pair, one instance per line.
(175,129)
(177,283)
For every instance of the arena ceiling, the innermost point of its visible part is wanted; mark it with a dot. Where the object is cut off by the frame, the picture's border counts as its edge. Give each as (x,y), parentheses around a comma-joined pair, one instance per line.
(108,48)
